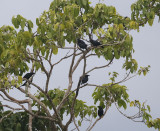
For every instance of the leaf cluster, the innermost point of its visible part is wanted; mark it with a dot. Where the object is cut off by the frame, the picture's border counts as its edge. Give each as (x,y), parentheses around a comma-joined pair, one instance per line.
(109,93)
(144,11)
(80,109)
(19,122)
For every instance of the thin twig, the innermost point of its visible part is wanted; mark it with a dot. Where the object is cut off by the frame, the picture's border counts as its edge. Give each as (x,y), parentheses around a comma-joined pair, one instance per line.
(100,66)
(7,106)
(75,123)
(6,116)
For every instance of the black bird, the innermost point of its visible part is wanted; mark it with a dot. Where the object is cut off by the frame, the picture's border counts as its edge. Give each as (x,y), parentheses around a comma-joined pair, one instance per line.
(100,111)
(28,76)
(94,42)
(81,44)
(84,79)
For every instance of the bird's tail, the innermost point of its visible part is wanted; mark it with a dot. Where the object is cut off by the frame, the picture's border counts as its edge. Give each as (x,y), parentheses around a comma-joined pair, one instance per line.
(24,84)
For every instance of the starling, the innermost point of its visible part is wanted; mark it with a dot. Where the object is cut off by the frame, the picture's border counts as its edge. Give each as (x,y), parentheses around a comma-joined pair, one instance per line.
(100,111)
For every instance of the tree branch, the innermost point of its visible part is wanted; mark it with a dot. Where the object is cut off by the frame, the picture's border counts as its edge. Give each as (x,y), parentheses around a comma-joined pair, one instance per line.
(37,100)
(13,99)
(70,80)
(51,102)
(100,66)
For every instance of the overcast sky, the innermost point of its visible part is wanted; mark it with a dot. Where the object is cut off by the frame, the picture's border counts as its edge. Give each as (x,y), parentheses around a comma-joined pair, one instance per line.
(146,44)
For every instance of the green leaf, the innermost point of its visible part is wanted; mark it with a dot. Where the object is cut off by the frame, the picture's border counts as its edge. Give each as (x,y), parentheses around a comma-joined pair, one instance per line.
(122,103)
(149,109)
(22,24)
(109,54)
(79,123)
(144,72)
(150,22)
(37,21)
(19,79)
(43,49)
(30,25)
(131,103)
(55,49)
(117,56)
(13,82)
(15,22)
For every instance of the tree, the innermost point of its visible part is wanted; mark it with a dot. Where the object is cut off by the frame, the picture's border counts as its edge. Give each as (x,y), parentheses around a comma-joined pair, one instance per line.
(58,29)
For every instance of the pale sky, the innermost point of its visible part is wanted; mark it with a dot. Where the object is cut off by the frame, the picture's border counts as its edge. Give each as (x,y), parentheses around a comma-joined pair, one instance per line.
(146,44)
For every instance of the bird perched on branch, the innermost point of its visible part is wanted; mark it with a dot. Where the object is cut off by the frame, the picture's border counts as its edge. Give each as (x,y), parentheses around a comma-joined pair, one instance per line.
(94,42)
(28,76)
(84,79)
(100,111)
(81,44)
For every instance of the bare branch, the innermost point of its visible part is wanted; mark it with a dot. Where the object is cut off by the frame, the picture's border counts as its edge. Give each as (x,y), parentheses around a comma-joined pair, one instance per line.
(75,123)
(50,56)
(51,102)
(84,67)
(7,106)
(30,116)
(89,124)
(123,80)
(77,90)
(138,115)
(66,56)
(79,60)
(70,80)
(48,78)
(91,55)
(13,99)
(42,64)
(37,100)
(35,115)
(67,47)
(100,66)
(23,108)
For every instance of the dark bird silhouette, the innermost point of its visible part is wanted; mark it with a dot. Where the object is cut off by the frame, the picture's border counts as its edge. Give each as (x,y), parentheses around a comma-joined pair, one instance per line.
(94,42)
(84,79)
(100,111)
(28,76)
(81,44)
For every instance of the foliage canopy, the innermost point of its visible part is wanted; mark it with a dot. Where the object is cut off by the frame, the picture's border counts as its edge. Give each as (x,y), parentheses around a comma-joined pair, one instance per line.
(58,29)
